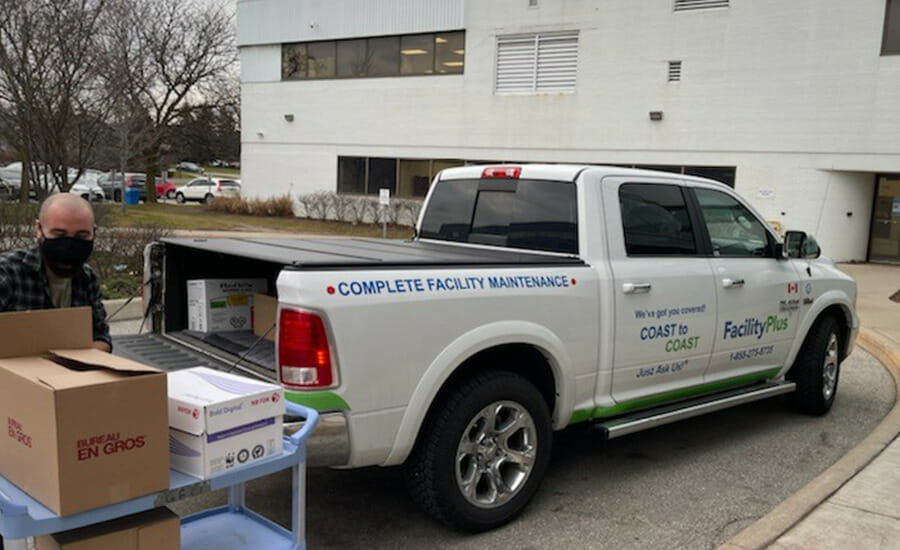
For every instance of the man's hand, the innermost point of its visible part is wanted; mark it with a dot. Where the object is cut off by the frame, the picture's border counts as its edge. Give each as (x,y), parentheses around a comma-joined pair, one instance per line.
(102,346)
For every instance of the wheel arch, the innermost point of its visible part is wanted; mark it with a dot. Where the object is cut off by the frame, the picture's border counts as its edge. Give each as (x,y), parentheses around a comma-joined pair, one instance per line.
(837,305)
(523,348)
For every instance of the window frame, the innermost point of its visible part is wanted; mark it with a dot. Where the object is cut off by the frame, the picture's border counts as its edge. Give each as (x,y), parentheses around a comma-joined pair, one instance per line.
(701,244)
(771,240)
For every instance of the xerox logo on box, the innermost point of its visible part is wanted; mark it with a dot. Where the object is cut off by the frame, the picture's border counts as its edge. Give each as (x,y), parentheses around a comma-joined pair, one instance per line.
(755,327)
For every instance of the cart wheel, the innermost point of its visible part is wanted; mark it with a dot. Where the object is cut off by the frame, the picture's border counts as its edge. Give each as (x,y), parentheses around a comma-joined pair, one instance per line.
(482,458)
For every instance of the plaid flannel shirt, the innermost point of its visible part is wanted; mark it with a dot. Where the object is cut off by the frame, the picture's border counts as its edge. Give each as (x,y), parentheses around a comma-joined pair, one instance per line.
(24,286)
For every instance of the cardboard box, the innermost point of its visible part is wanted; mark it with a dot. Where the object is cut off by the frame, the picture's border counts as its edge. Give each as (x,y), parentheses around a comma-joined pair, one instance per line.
(222,305)
(220,421)
(84,428)
(265,308)
(157,529)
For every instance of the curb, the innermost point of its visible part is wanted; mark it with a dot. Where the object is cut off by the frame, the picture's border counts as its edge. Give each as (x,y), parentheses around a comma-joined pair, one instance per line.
(783,517)
(131,312)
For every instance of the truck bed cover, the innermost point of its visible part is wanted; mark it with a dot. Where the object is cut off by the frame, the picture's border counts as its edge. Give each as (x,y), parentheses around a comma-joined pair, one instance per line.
(338,253)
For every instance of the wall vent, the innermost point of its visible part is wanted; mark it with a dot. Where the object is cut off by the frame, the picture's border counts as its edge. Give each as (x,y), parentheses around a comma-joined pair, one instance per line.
(674,71)
(537,63)
(688,5)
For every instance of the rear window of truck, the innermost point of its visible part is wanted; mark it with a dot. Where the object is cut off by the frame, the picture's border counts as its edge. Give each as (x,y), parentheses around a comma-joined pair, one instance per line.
(529,214)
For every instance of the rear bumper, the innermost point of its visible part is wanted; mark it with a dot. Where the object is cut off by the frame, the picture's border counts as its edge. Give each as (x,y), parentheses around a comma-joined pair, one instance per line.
(329,444)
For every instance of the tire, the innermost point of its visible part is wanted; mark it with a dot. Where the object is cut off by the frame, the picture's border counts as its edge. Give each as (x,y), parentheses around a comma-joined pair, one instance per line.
(86,197)
(179,198)
(170,194)
(208,199)
(117,196)
(437,480)
(816,370)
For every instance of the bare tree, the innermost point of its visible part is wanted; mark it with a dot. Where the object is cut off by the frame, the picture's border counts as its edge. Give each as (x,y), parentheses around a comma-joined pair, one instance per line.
(51,100)
(162,54)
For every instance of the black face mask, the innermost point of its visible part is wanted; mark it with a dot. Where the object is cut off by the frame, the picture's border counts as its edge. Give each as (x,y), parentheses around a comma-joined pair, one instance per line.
(65,256)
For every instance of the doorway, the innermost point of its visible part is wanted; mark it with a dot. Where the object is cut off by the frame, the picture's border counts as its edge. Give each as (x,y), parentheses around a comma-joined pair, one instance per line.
(884,238)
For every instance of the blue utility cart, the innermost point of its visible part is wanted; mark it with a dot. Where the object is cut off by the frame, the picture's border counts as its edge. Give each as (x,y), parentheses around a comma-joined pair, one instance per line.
(229,527)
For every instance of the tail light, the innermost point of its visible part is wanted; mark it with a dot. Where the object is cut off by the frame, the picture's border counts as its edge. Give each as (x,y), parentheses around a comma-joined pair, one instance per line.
(501,172)
(218,186)
(304,358)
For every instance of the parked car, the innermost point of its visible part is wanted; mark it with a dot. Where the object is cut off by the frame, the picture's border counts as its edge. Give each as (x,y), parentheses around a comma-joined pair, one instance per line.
(532,298)
(207,189)
(185,166)
(88,191)
(111,185)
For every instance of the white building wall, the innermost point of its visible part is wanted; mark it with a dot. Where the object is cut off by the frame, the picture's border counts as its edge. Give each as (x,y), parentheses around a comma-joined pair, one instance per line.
(279,21)
(795,94)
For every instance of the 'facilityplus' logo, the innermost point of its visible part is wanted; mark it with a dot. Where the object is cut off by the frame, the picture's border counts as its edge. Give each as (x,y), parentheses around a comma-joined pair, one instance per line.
(755,327)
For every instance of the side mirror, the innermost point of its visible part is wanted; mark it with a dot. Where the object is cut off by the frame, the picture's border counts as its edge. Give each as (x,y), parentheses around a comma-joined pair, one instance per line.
(797,244)
(810,249)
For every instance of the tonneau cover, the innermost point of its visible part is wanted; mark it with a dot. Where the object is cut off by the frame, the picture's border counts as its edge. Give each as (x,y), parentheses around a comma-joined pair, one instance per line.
(368,253)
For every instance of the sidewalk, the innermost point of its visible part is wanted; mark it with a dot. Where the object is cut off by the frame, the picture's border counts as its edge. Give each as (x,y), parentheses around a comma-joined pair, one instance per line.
(856,502)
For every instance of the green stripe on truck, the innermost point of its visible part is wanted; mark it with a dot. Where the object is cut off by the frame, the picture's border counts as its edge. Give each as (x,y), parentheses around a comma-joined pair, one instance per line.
(321,401)
(662,398)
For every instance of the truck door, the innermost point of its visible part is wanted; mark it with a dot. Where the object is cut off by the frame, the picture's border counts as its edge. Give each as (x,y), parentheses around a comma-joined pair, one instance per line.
(665,302)
(759,296)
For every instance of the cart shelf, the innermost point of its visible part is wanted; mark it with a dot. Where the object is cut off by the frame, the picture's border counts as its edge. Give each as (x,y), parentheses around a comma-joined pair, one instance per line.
(231,527)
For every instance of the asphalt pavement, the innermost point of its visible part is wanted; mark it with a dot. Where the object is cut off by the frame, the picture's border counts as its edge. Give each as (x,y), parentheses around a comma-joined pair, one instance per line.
(692,484)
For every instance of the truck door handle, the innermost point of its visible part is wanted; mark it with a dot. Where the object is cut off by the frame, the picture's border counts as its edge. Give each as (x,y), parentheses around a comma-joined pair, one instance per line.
(636,288)
(731,283)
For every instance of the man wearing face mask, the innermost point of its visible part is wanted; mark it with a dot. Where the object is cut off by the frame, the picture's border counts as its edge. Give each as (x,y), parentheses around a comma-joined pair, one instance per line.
(53,274)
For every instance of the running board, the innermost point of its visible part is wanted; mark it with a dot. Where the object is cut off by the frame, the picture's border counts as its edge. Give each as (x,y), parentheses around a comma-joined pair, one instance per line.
(659,416)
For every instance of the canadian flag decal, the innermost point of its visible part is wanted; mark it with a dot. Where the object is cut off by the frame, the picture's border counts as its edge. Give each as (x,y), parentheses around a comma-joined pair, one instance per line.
(793,288)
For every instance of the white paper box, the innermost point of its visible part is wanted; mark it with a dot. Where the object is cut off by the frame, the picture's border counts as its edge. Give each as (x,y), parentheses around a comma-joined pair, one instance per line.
(221,305)
(219,421)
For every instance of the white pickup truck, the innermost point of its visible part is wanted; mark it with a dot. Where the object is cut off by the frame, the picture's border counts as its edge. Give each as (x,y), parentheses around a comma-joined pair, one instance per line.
(532,298)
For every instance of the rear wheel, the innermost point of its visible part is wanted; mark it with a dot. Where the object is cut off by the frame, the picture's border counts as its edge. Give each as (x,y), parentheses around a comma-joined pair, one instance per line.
(179,198)
(208,199)
(817,368)
(117,196)
(86,197)
(482,458)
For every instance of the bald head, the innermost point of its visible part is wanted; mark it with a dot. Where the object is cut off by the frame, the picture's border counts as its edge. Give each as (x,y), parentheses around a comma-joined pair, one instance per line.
(65,215)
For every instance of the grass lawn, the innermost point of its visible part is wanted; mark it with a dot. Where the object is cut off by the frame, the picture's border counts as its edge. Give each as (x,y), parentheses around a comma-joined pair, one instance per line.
(172,216)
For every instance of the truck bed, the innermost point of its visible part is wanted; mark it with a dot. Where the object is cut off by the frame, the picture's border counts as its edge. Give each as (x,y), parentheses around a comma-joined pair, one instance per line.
(367,253)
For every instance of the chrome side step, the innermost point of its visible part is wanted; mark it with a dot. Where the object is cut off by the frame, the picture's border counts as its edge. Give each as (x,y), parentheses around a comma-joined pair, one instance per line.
(651,418)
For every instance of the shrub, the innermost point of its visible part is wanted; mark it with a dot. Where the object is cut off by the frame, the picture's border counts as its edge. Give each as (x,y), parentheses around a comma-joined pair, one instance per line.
(281,206)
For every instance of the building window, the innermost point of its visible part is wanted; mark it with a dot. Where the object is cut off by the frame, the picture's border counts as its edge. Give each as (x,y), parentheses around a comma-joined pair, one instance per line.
(890,44)
(382,175)
(293,61)
(674,71)
(351,175)
(320,59)
(688,5)
(413,177)
(351,58)
(417,54)
(407,55)
(449,52)
(537,63)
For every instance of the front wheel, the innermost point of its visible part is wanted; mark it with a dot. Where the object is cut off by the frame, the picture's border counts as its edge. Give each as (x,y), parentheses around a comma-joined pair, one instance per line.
(179,198)
(817,369)
(170,194)
(482,458)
